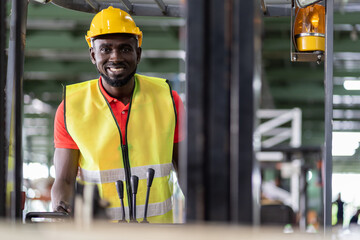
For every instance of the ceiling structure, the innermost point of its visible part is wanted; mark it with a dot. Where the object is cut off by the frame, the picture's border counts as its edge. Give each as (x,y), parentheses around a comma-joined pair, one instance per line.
(134,7)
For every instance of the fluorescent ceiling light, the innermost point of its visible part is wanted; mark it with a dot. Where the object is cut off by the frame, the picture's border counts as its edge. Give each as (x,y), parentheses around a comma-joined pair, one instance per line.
(348,100)
(345,143)
(352,84)
(343,152)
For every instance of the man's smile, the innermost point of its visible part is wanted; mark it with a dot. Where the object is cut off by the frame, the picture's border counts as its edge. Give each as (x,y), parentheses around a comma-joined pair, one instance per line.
(116,69)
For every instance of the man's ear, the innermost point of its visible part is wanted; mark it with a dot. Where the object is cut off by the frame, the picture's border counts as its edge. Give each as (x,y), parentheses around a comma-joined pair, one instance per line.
(92,55)
(138,51)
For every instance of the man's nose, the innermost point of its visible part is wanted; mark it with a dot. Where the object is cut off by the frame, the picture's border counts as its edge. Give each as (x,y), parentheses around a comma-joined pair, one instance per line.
(116,56)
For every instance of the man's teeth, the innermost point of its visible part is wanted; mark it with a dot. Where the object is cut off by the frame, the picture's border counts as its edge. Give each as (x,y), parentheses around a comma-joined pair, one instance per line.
(116,69)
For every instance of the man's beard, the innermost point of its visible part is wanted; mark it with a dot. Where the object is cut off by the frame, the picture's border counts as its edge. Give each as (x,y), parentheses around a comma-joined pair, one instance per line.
(114,82)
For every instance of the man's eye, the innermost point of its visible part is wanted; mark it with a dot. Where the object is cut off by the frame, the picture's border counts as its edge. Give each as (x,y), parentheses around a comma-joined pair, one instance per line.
(104,50)
(126,49)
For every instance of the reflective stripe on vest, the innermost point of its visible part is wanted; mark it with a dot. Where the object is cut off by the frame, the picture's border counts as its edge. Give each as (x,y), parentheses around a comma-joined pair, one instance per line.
(149,134)
(154,209)
(113,175)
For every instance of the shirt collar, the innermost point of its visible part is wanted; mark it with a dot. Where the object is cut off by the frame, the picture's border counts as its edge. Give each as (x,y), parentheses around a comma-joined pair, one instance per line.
(107,96)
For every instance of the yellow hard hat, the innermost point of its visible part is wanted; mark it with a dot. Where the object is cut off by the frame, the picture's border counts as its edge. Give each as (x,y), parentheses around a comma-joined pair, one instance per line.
(112,20)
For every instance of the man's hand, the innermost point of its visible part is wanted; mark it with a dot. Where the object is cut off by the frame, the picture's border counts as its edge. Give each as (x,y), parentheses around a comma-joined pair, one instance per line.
(63,207)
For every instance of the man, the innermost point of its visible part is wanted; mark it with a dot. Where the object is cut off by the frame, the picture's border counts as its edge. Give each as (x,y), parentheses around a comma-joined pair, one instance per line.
(119,125)
(340,210)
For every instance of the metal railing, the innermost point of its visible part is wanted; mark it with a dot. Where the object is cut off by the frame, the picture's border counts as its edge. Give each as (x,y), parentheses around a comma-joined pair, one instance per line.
(272,131)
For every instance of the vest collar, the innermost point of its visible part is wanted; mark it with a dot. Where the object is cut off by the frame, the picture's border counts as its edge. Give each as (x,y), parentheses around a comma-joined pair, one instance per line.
(107,96)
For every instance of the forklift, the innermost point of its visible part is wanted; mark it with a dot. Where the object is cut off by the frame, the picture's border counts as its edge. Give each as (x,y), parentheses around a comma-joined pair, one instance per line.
(216,48)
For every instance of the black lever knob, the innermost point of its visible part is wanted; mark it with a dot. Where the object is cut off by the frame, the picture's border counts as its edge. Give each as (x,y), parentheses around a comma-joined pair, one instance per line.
(134,182)
(150,176)
(120,188)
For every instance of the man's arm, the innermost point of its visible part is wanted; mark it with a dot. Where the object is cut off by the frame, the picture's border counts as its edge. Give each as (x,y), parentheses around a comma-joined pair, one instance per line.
(66,167)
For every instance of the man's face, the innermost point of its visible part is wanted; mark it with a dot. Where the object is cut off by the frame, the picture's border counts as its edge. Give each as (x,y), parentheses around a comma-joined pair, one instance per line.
(116,57)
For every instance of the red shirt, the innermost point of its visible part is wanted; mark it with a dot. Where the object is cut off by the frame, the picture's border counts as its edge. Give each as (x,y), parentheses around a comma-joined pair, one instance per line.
(62,139)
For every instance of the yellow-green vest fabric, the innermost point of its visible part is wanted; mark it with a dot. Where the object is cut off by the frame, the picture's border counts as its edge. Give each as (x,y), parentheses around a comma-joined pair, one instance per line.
(150,135)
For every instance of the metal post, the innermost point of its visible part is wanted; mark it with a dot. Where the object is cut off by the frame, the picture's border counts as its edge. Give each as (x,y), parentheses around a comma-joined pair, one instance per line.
(235,114)
(194,181)
(328,114)
(2,108)
(218,112)
(14,96)
(303,200)
(208,184)
(219,78)
(243,206)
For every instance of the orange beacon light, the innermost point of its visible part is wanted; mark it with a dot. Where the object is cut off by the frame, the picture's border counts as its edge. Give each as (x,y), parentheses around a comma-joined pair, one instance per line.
(309,28)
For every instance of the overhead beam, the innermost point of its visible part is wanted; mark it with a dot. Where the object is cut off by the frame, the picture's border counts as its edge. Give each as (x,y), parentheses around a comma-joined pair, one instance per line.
(94,4)
(129,6)
(162,6)
(136,9)
(60,55)
(282,8)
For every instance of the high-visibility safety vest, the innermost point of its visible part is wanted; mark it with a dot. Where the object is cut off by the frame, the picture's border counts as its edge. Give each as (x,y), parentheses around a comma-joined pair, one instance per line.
(104,158)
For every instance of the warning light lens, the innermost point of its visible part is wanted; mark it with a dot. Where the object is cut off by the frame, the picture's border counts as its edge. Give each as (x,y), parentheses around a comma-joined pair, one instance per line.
(309,28)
